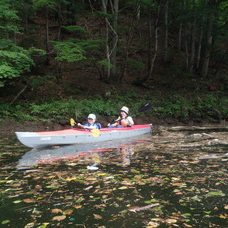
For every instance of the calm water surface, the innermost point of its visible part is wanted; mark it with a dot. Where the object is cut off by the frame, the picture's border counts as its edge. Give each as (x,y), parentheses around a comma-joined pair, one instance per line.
(152,181)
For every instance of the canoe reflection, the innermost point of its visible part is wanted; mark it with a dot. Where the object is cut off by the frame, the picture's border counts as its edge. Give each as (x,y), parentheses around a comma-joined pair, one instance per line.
(91,153)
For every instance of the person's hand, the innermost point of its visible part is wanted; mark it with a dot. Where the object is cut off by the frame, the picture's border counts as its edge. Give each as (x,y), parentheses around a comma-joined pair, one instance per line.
(123,115)
(108,124)
(79,125)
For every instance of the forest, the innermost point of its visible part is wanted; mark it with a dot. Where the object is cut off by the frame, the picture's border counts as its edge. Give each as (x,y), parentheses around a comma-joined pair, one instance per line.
(67,58)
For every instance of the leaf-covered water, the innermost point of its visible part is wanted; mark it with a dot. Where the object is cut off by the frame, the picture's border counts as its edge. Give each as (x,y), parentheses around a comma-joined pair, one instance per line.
(163,181)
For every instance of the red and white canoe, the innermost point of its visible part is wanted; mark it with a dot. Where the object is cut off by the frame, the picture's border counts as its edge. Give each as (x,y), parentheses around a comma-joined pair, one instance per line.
(78,136)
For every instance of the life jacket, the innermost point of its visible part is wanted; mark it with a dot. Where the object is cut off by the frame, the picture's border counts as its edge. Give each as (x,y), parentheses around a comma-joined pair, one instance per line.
(97,125)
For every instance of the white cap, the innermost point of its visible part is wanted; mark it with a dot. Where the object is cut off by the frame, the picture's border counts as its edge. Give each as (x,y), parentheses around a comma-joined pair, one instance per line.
(91,116)
(125,109)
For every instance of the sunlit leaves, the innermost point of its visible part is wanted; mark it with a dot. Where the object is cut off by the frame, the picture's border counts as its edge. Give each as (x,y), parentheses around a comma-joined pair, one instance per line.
(215,193)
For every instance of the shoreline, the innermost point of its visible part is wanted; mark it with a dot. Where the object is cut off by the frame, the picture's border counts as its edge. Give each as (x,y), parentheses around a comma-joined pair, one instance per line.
(9,128)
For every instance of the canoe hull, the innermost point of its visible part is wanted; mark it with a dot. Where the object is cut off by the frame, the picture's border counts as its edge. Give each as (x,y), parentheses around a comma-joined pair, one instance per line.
(75,136)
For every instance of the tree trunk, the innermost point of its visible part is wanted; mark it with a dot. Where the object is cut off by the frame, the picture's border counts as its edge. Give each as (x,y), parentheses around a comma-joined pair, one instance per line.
(180,36)
(153,40)
(47,36)
(198,57)
(193,42)
(114,39)
(107,71)
(207,51)
(166,32)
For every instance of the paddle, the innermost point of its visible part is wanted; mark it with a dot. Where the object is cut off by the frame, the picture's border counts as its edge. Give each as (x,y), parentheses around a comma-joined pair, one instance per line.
(95,132)
(145,107)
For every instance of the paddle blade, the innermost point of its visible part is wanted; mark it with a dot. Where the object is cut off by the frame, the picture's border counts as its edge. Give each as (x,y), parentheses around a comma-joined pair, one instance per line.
(145,107)
(72,122)
(95,132)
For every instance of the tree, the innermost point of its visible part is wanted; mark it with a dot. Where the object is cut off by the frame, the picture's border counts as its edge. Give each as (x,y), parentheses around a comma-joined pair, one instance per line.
(14,60)
(110,10)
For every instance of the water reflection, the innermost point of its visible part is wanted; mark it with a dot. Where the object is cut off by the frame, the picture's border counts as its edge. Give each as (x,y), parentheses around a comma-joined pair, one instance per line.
(92,153)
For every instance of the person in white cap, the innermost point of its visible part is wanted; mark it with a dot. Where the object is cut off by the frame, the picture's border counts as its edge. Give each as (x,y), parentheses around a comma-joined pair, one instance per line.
(124,120)
(91,123)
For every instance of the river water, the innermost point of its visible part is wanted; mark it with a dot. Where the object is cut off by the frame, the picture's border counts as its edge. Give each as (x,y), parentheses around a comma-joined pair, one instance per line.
(176,177)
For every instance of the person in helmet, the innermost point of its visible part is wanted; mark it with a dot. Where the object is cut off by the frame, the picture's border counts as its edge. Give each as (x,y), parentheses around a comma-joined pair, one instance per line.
(124,120)
(91,124)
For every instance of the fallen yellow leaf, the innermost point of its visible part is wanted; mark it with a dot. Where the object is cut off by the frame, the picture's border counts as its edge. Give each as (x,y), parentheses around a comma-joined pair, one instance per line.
(223,216)
(29,200)
(97,216)
(59,218)
(101,174)
(78,206)
(56,211)
(170,221)
(123,187)
(68,212)
(31,224)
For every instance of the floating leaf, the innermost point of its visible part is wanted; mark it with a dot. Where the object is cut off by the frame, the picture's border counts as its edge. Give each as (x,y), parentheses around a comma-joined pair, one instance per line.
(44,225)
(123,187)
(71,178)
(152,225)
(97,216)
(5,222)
(148,201)
(216,193)
(56,211)
(170,221)
(102,174)
(29,200)
(78,206)
(223,216)
(123,211)
(17,201)
(59,218)
(207,212)
(30,225)
(68,212)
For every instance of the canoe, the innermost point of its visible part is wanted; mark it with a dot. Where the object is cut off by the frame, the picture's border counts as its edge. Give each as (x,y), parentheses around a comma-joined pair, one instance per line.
(78,136)
(87,153)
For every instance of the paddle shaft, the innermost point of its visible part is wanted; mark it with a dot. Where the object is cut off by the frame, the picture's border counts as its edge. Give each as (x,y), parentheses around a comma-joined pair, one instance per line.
(143,108)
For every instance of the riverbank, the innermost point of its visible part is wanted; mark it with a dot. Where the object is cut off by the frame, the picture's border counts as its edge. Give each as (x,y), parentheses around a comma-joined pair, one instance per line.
(9,128)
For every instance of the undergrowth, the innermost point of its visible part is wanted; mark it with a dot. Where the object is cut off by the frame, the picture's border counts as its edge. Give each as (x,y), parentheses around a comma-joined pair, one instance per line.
(204,106)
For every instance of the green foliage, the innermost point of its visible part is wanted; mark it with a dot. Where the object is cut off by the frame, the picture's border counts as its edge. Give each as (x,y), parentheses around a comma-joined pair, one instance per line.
(202,106)
(74,50)
(135,64)
(205,106)
(103,14)
(75,29)
(37,81)
(14,60)
(69,51)
(36,51)
(177,106)
(8,18)
(7,72)
(105,64)
(43,3)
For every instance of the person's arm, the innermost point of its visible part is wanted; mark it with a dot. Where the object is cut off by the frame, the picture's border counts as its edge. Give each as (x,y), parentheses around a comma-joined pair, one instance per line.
(130,121)
(88,126)
(115,122)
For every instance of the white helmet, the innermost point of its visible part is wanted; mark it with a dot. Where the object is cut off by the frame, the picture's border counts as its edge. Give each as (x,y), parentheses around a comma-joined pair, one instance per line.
(91,116)
(125,109)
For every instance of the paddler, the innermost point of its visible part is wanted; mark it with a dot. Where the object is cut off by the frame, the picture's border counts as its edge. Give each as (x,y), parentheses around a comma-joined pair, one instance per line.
(124,120)
(91,123)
